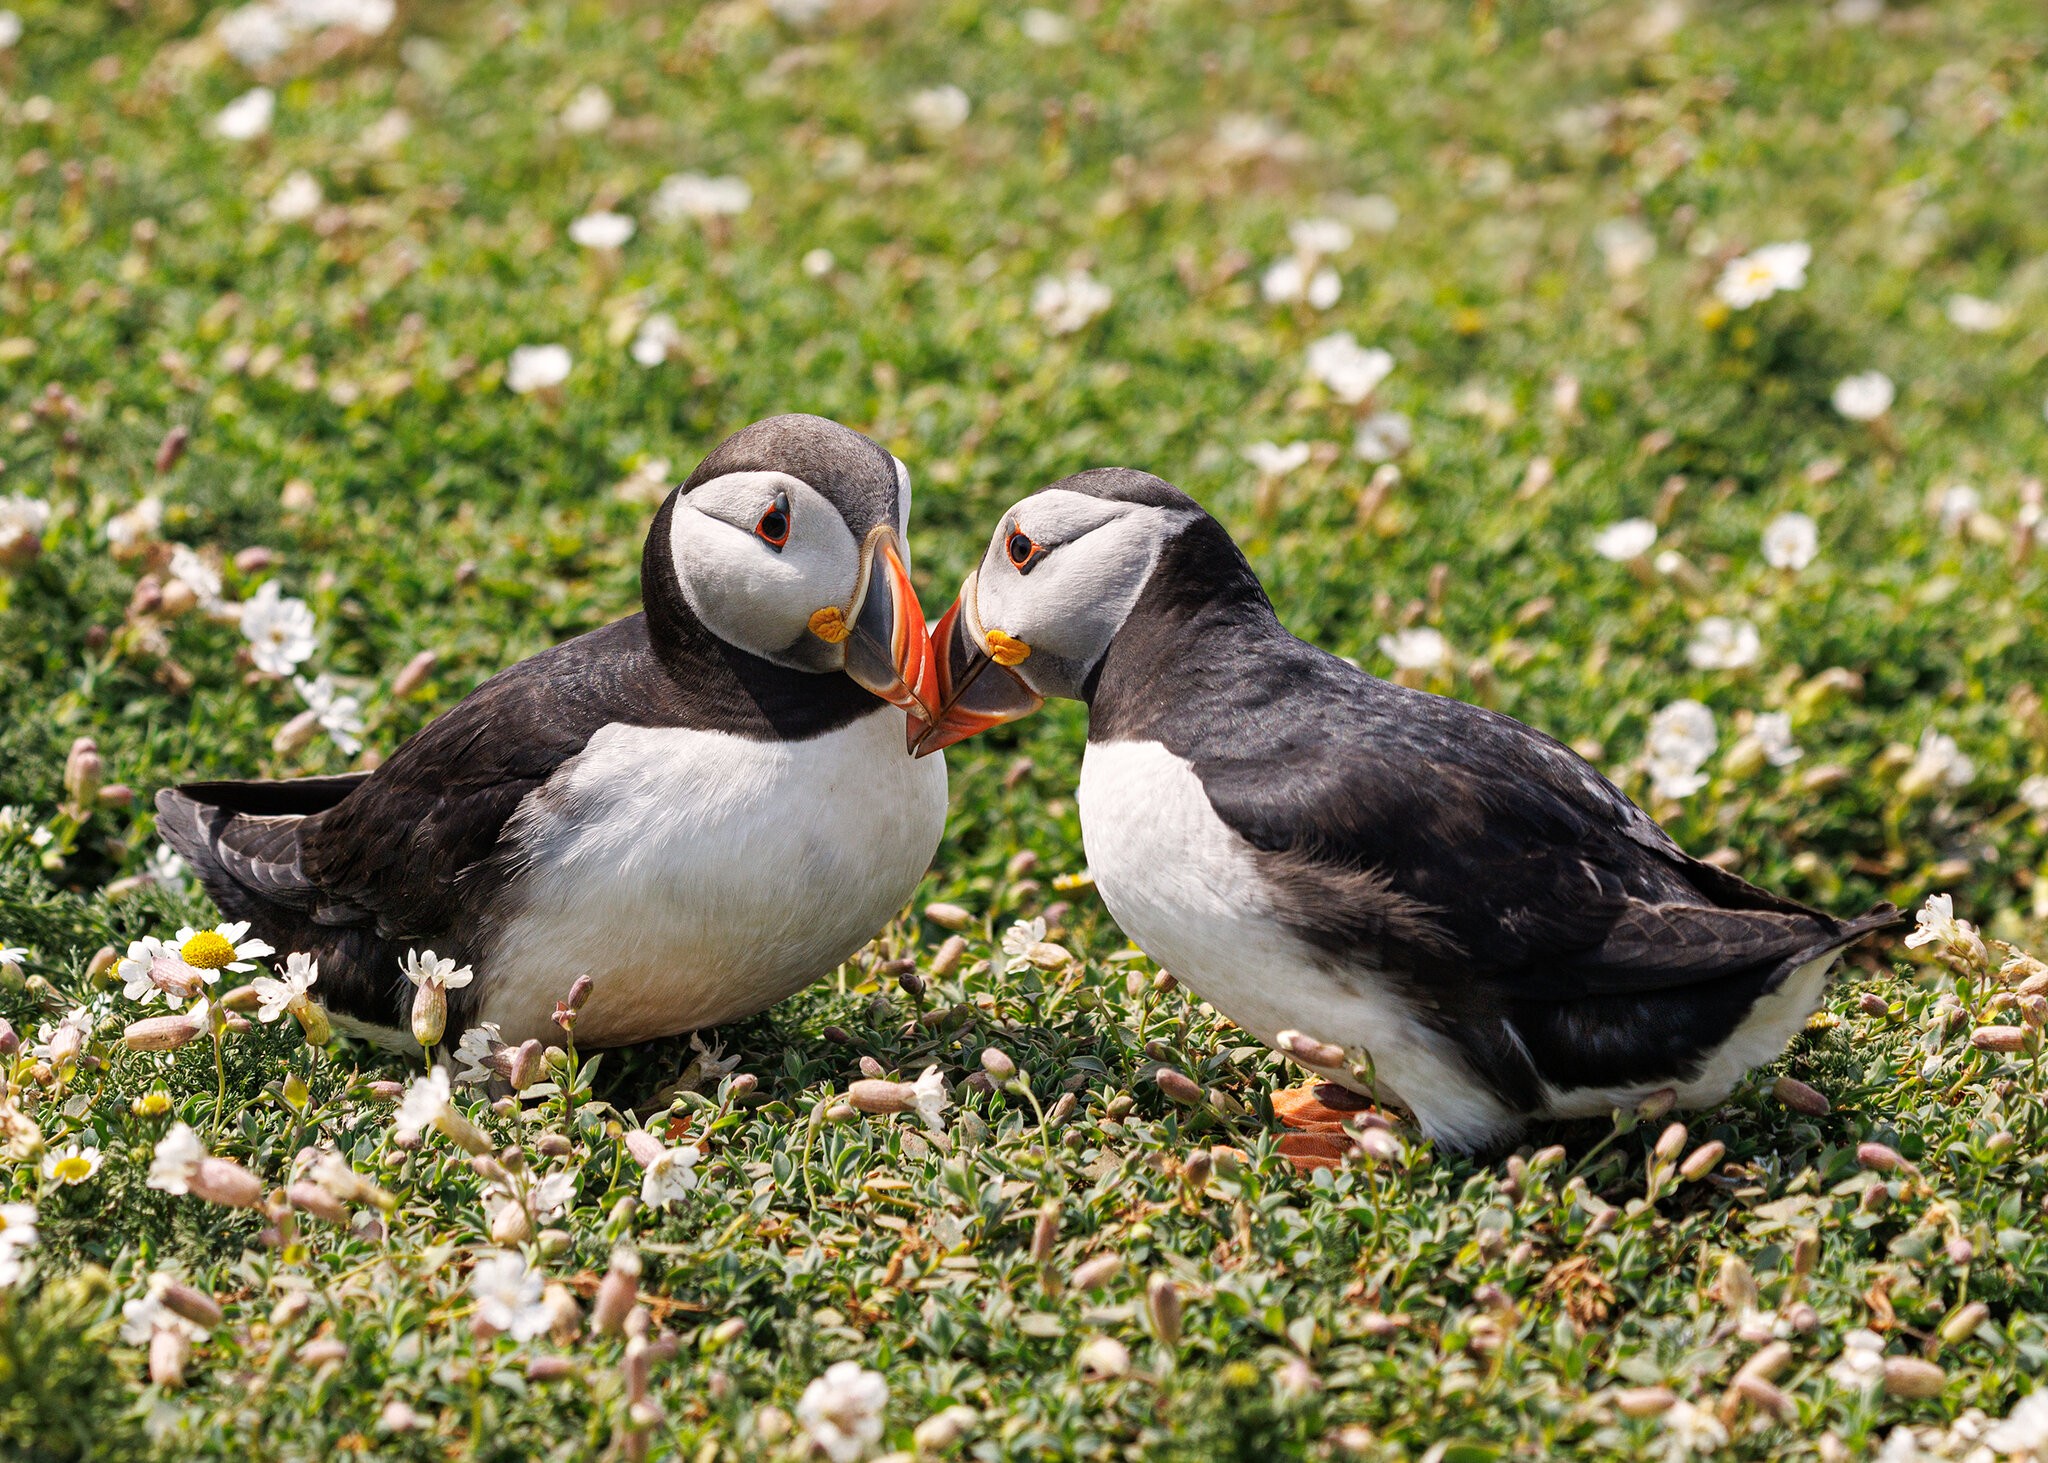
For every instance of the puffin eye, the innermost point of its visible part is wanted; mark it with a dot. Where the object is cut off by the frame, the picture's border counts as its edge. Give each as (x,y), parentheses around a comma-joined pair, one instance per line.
(773,529)
(1023,551)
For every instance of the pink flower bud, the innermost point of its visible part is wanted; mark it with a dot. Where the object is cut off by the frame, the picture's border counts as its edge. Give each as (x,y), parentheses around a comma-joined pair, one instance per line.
(617,1293)
(224,1181)
(1702,1161)
(193,1304)
(1881,1157)
(169,1349)
(1800,1097)
(162,1033)
(317,1202)
(1177,1085)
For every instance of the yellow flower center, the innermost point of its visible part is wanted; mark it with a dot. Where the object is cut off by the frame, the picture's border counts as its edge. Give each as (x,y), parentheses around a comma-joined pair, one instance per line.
(1007,649)
(151,1104)
(829,625)
(207,950)
(71,1170)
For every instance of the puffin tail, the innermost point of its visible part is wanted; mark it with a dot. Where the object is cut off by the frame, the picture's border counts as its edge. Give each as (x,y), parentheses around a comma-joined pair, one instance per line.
(242,840)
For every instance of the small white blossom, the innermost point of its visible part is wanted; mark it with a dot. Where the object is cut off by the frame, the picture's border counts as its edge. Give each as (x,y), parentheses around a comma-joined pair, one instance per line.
(508,1295)
(683,196)
(71,1164)
(657,339)
(1688,1430)
(1939,762)
(842,1410)
(339,715)
(817,263)
(1352,372)
(479,1045)
(590,110)
(1631,538)
(1018,939)
(1276,461)
(190,570)
(1723,644)
(279,629)
(1289,281)
(601,230)
(1790,541)
(1317,236)
(248,116)
(10,30)
(1956,504)
(1864,397)
(537,368)
(1935,922)
(12,957)
(1860,1367)
(17,1237)
(137,525)
(275,994)
(1625,247)
(1102,1356)
(1069,302)
(297,198)
(1384,436)
(929,1093)
(1754,278)
(553,1195)
(177,1158)
(1045,27)
(1773,733)
(134,969)
(2024,1431)
(2034,792)
(939,109)
(427,1100)
(1418,648)
(425,968)
(671,1175)
(1680,740)
(1977,316)
(22,518)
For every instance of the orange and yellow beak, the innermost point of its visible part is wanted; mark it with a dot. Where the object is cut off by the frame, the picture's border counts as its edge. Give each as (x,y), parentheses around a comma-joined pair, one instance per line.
(976,690)
(887,650)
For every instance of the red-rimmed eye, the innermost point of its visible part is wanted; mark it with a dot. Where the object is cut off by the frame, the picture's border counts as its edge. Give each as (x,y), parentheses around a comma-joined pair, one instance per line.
(773,528)
(1022,551)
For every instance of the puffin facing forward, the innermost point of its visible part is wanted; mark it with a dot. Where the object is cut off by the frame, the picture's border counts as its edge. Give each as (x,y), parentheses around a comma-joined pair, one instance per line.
(1487,925)
(704,806)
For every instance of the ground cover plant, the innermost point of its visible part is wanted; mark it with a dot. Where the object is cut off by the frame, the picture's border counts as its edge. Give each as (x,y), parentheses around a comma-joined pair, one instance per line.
(1668,377)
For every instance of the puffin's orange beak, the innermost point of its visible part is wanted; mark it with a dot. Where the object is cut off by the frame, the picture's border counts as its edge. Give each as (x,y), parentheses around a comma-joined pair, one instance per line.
(887,649)
(974,691)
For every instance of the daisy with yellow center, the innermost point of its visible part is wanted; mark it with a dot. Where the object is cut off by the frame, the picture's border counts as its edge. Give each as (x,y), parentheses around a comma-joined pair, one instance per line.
(220,948)
(71,1165)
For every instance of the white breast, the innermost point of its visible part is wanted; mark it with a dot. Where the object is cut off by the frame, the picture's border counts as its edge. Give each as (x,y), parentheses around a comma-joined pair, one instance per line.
(699,877)
(1184,886)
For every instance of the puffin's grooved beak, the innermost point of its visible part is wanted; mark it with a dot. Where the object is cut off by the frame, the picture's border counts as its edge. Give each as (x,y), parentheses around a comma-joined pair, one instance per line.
(888,651)
(974,691)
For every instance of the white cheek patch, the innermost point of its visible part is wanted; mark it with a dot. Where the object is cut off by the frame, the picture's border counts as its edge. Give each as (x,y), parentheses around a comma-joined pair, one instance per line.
(1074,600)
(744,590)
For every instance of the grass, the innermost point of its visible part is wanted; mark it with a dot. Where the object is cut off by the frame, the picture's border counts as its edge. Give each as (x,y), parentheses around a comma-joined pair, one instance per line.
(337,382)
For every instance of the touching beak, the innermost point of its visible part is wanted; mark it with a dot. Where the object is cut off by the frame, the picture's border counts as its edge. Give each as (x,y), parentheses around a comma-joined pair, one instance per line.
(974,693)
(887,650)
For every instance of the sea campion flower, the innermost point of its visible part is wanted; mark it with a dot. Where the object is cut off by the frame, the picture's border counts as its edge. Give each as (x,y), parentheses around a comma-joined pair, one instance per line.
(434,976)
(1723,644)
(1069,302)
(937,110)
(1631,538)
(1864,397)
(1680,740)
(842,1410)
(1790,541)
(1384,436)
(1351,372)
(682,196)
(477,1054)
(929,1095)
(590,110)
(181,1165)
(1938,765)
(669,1173)
(1418,649)
(509,1296)
(537,368)
(17,1237)
(1755,277)
(1293,281)
(279,629)
(1977,316)
(603,230)
(339,715)
(71,1164)
(1935,923)
(248,116)
(429,1103)
(657,339)
(1273,460)
(295,199)
(22,521)
(1625,247)
(2024,1430)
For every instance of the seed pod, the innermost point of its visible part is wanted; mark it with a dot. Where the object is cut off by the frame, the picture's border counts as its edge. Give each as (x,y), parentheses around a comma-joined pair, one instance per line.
(1162,1300)
(1062,1110)
(1800,1097)
(1047,955)
(550,1368)
(1177,1085)
(617,1293)
(1702,1161)
(1959,1250)
(429,1013)
(323,1349)
(1881,1157)
(1309,1051)
(1736,1285)
(948,916)
(414,674)
(1096,1273)
(1022,862)
(317,1202)
(1805,1252)
(1645,1401)
(1961,1326)
(1379,1145)
(1656,1105)
(1908,1376)
(172,448)
(1803,1319)
(941,1430)
(997,1064)
(1119,1107)
(1670,1143)
(1999,1038)
(193,1304)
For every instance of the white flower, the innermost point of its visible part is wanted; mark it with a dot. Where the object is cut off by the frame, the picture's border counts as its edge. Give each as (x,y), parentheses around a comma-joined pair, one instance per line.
(1384,436)
(341,716)
(508,1295)
(427,1100)
(1935,922)
(247,116)
(23,516)
(1351,371)
(1939,762)
(70,1164)
(1045,28)
(1320,235)
(279,629)
(425,968)
(692,195)
(254,35)
(1018,939)
(1680,739)
(672,1174)
(590,110)
(478,1046)
(537,368)
(799,12)
(1276,461)
(1754,278)
(387,134)
(275,994)
(1956,504)
(17,1237)
(929,1093)
(297,197)
(60,1043)
(2034,792)
(842,1410)
(939,109)
(1418,648)
(220,948)
(601,230)
(817,263)
(166,865)
(196,575)
(1067,303)
(136,525)
(553,1195)
(10,30)
(1773,733)
(1790,541)
(656,340)
(12,956)
(1688,1429)
(1967,312)
(1629,539)
(178,1155)
(135,968)
(1102,1356)
(1723,644)
(1860,1367)
(1289,281)
(2024,1430)
(1625,247)
(1374,212)
(1864,397)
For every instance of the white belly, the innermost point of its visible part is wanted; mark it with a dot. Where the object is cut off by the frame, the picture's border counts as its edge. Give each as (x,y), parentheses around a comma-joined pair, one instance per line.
(700,877)
(1184,887)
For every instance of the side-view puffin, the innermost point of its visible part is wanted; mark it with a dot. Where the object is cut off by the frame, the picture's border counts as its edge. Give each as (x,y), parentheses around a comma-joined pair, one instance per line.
(704,806)
(1487,926)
